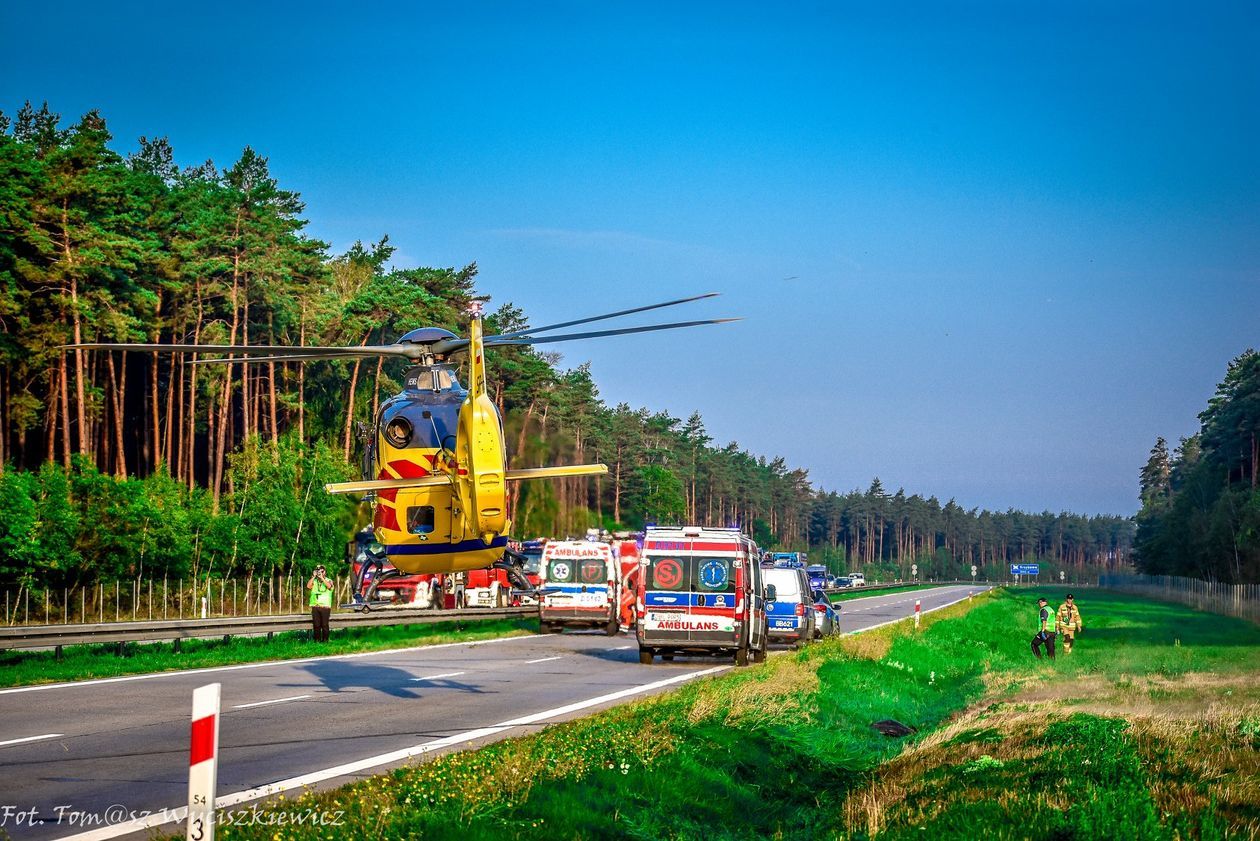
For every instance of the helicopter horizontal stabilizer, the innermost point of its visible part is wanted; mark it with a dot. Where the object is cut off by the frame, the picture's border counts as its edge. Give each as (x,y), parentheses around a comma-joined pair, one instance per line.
(557,472)
(370,485)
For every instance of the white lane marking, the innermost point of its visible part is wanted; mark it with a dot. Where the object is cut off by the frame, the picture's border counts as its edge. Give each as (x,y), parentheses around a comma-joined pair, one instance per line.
(127,678)
(436,677)
(180,813)
(31,739)
(265,703)
(543,659)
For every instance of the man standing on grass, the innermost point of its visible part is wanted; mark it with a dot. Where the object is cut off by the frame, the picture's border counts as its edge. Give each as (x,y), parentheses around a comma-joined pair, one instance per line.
(1068,623)
(321,604)
(1044,635)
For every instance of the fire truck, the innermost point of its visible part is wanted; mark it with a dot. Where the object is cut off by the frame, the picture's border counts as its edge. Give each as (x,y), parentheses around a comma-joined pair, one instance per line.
(627,550)
(581,587)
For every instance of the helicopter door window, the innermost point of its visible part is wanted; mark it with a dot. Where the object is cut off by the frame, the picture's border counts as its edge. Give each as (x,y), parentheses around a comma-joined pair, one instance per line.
(420,519)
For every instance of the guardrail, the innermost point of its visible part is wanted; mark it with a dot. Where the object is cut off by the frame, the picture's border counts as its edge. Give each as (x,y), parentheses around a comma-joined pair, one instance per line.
(55,636)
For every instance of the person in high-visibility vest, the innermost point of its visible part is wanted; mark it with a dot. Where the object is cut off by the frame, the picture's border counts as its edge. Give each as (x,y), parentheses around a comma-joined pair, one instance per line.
(1067,623)
(321,604)
(1044,635)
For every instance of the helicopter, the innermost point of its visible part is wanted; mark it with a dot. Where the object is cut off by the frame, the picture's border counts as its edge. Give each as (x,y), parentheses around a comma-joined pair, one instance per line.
(434,459)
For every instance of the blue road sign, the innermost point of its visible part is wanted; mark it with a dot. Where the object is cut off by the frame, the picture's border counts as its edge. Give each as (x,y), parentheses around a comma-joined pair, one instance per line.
(1025,569)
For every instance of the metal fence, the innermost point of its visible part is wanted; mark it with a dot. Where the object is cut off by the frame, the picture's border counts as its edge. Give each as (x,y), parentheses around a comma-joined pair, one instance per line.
(159,598)
(1240,600)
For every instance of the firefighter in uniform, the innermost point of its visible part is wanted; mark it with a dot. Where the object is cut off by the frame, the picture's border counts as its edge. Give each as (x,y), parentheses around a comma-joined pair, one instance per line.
(1044,635)
(1067,623)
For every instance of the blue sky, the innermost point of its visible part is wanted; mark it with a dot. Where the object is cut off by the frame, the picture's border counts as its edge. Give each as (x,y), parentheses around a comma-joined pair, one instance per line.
(982,252)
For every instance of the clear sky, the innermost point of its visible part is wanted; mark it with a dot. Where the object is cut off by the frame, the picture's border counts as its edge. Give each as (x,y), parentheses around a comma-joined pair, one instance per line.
(986,251)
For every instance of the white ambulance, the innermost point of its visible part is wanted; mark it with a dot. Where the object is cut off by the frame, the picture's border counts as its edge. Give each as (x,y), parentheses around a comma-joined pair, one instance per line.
(580,586)
(701,592)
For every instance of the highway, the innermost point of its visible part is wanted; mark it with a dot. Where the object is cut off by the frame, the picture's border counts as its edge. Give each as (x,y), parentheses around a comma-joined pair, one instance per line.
(87,756)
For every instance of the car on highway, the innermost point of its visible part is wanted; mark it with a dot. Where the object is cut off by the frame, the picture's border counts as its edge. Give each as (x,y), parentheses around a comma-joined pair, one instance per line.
(842,582)
(790,611)
(826,616)
(817,576)
(856,579)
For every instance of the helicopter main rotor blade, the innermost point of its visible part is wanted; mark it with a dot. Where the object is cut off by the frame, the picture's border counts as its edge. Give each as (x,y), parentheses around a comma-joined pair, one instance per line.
(290,357)
(596,334)
(575,322)
(254,350)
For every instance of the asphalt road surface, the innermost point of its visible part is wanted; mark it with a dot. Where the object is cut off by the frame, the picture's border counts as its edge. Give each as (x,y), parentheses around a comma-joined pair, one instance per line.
(90,759)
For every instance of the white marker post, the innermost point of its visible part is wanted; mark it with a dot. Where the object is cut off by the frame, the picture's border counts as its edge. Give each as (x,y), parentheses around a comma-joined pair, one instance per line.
(203,762)
(918,607)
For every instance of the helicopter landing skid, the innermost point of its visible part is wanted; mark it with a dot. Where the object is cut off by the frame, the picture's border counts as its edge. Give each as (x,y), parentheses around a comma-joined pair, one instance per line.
(513,564)
(363,602)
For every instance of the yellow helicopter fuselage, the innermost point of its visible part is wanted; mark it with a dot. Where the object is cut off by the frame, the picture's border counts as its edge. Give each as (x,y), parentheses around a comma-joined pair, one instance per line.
(428,430)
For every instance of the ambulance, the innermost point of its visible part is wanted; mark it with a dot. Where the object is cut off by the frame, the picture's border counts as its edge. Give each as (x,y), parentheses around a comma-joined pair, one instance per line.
(700,592)
(580,587)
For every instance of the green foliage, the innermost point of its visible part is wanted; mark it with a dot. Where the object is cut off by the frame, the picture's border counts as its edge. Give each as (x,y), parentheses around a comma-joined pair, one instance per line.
(1200,512)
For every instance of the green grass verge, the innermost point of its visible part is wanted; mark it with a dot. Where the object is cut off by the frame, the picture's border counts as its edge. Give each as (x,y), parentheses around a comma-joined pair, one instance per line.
(83,662)
(1008,746)
(863,593)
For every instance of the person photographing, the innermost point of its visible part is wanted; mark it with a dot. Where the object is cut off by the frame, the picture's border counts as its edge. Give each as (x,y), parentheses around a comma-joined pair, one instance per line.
(321,603)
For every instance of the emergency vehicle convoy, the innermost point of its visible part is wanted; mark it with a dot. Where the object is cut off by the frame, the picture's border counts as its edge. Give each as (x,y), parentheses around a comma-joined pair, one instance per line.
(701,592)
(580,587)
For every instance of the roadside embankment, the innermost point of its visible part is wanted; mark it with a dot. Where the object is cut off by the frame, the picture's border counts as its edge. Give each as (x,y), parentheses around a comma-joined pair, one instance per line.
(1149,729)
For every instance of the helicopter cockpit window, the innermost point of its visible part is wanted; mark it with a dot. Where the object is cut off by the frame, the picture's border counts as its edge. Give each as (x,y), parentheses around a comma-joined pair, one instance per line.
(398,432)
(420,519)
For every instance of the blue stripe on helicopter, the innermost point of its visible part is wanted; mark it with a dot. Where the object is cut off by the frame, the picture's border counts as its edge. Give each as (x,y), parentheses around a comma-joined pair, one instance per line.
(445,548)
(684,599)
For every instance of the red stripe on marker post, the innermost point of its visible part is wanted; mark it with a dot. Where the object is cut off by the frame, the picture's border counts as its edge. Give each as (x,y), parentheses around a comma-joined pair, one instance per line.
(203,741)
(918,607)
(203,762)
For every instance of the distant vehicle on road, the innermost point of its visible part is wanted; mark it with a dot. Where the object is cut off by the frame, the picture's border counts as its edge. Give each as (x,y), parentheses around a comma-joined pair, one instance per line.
(701,591)
(826,616)
(857,579)
(818,576)
(788,559)
(842,582)
(790,613)
(581,587)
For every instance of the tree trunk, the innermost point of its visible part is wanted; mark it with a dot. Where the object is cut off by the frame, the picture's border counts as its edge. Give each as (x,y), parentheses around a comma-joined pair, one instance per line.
(271,381)
(354,382)
(65,414)
(120,457)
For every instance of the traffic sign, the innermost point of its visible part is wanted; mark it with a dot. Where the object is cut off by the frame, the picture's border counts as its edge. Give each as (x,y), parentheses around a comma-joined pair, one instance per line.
(973,570)
(1061,575)
(1025,569)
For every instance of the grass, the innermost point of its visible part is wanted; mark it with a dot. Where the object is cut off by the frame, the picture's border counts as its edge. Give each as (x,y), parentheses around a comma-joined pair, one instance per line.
(1150,729)
(83,662)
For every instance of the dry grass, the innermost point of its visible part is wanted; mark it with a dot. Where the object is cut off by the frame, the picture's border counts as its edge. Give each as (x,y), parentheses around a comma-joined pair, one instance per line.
(1189,732)
(783,688)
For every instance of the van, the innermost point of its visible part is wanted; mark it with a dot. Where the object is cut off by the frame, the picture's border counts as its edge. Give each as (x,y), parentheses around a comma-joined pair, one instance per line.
(856,579)
(790,612)
(580,587)
(700,591)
